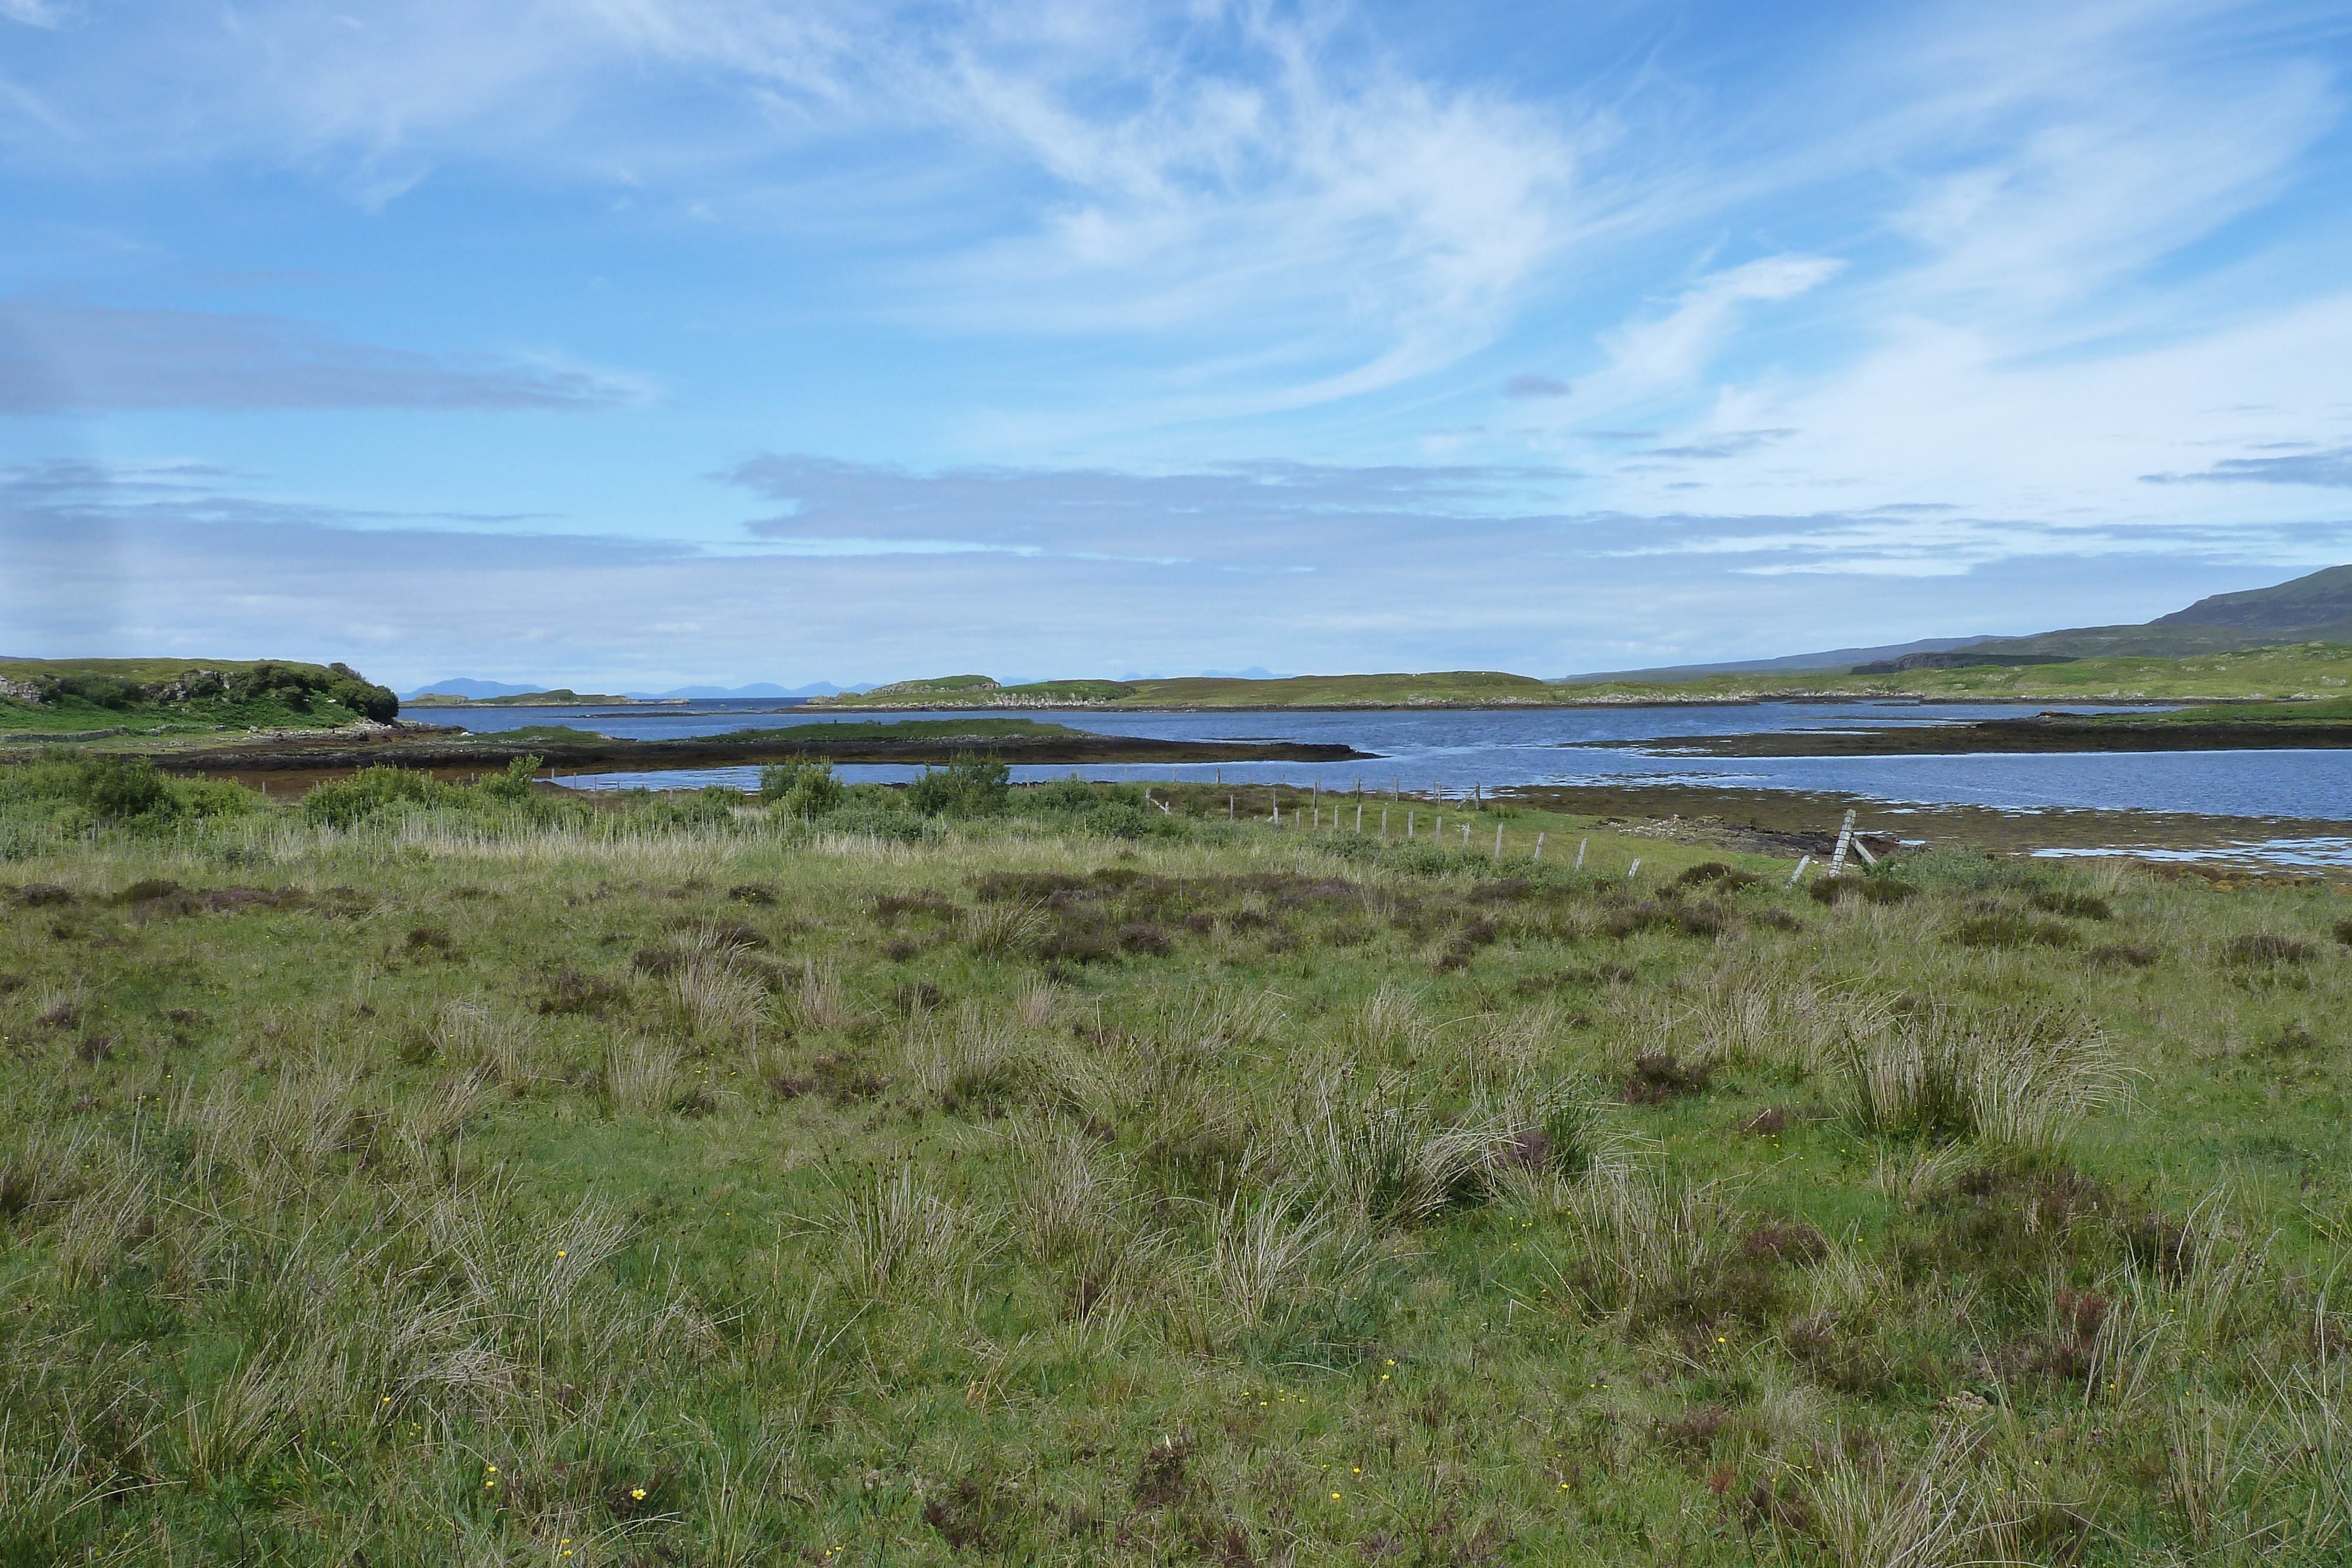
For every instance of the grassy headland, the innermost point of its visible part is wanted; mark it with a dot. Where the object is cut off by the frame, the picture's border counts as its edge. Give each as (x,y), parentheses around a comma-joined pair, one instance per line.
(440,1173)
(2301,671)
(165,696)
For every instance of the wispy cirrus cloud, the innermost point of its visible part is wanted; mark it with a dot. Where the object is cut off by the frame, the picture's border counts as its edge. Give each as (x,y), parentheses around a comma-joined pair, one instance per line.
(1343,223)
(2330,470)
(65,354)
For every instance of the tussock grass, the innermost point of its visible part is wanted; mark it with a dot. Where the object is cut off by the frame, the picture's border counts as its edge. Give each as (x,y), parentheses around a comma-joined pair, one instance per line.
(712,1187)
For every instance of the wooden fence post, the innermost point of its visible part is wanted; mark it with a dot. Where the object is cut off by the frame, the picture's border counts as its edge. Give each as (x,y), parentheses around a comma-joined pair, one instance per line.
(1579,853)
(1845,837)
(1539,838)
(1802,865)
(1634,870)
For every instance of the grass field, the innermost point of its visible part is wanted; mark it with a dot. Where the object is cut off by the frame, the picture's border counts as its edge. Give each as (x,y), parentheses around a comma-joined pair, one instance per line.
(499,1179)
(2302,670)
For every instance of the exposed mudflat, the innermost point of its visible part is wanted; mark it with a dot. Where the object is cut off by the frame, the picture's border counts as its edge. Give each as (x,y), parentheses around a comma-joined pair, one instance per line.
(2052,733)
(1796,822)
(493,751)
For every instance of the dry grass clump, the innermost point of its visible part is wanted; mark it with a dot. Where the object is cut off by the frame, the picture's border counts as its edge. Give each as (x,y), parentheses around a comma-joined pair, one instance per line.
(1922,1509)
(716,1003)
(1394,1159)
(2020,1079)
(641,1076)
(467,1036)
(898,1237)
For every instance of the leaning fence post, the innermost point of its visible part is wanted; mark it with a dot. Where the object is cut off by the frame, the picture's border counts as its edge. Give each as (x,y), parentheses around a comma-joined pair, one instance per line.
(1845,837)
(1632,870)
(1802,865)
(1864,850)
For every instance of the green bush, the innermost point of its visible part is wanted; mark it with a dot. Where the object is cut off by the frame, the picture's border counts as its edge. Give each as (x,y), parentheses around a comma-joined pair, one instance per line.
(969,785)
(344,802)
(99,788)
(514,784)
(801,789)
(362,697)
(102,691)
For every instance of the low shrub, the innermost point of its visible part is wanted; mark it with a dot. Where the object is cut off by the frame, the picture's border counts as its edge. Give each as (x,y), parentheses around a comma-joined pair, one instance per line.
(1708,873)
(969,785)
(118,790)
(346,802)
(2075,905)
(1659,1076)
(2266,947)
(2000,926)
(801,789)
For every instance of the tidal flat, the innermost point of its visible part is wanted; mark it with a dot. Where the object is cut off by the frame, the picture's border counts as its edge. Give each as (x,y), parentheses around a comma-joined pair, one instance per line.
(470,1175)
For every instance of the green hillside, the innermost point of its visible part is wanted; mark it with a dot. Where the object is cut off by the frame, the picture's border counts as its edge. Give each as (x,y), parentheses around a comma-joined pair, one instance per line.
(71,696)
(2323,597)
(2305,671)
(2301,672)
(2316,608)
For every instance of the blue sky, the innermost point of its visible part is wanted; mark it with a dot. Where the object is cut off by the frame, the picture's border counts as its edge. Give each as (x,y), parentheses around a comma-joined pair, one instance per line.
(638,342)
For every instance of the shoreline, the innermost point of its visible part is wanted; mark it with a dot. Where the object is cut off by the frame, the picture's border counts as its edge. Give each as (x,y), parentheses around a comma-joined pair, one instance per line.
(2061,734)
(706,751)
(1789,823)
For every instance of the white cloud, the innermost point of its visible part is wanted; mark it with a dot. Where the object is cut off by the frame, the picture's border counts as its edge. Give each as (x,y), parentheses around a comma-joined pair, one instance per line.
(62,353)
(1290,566)
(33,13)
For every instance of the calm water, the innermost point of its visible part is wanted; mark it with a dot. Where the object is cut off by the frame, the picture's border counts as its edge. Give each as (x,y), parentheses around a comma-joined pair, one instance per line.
(1448,751)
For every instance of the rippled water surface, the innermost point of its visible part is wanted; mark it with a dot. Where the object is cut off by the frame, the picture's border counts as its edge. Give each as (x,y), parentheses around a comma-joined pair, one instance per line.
(1451,750)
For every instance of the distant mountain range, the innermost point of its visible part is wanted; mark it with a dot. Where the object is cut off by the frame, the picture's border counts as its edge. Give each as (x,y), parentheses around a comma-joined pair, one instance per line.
(2313,609)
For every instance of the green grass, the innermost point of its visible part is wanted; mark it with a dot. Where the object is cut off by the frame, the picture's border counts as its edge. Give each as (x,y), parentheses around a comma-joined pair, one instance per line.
(550,732)
(2304,670)
(2329,711)
(146,696)
(2307,670)
(673,1182)
(142,670)
(908,729)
